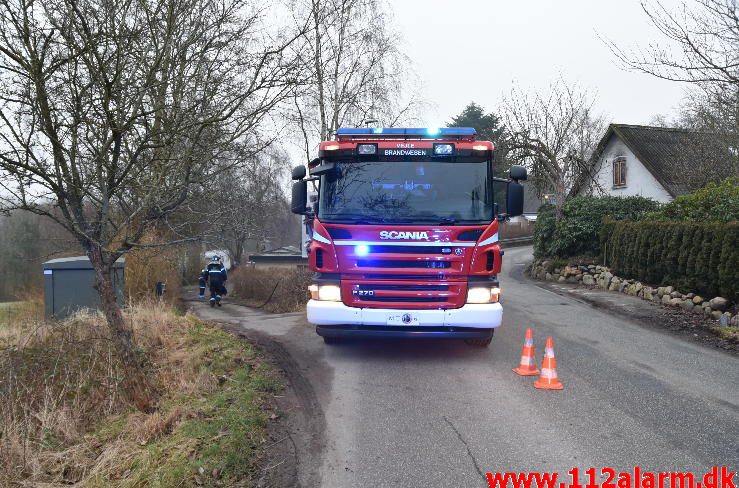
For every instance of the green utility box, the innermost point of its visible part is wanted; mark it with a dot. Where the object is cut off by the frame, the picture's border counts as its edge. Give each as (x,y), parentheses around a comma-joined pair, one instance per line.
(69,285)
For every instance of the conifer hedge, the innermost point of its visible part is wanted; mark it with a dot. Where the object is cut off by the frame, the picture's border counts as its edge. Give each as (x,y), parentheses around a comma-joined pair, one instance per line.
(692,256)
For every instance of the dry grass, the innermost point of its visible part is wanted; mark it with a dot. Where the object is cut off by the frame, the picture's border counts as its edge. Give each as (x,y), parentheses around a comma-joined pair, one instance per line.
(729,332)
(63,419)
(277,290)
(146,267)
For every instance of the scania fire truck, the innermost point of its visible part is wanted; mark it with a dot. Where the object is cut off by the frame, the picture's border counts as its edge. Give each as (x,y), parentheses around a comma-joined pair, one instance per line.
(405,233)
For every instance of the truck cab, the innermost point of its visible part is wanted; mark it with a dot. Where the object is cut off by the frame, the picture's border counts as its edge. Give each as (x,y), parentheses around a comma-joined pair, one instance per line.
(404,233)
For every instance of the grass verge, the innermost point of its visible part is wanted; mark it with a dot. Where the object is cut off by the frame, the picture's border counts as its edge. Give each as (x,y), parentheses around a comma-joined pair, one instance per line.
(64,421)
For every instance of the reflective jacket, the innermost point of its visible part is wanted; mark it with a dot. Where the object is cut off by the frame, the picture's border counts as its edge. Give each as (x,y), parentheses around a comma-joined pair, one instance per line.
(216,273)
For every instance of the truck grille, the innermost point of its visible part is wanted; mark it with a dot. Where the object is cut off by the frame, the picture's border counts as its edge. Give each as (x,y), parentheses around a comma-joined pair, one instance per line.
(404,299)
(403,287)
(422,250)
(433,262)
(386,294)
(397,263)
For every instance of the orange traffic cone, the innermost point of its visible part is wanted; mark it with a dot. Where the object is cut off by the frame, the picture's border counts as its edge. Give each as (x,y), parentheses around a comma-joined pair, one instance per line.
(527,367)
(548,379)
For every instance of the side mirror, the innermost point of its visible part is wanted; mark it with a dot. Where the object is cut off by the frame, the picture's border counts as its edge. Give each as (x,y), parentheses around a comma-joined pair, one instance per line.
(298,172)
(518,173)
(298,204)
(514,200)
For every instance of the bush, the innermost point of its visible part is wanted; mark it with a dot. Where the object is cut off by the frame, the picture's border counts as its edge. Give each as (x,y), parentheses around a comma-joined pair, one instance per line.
(278,290)
(577,232)
(544,230)
(715,202)
(147,266)
(693,256)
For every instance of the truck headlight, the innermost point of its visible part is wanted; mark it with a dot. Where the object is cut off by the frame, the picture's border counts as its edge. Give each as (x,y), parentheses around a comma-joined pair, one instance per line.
(326,293)
(480,294)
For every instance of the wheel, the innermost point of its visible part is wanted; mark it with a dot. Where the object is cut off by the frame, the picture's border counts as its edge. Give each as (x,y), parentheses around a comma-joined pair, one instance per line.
(218,303)
(331,340)
(481,342)
(212,303)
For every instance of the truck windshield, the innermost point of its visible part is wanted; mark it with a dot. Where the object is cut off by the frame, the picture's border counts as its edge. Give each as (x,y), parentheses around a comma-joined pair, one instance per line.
(408,192)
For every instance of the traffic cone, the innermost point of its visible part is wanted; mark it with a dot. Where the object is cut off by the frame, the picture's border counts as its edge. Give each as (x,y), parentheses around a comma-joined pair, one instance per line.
(527,367)
(548,379)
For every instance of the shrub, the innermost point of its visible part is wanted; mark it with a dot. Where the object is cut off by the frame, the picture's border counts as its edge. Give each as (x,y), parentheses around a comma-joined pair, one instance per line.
(544,230)
(715,202)
(693,256)
(577,232)
(146,266)
(276,289)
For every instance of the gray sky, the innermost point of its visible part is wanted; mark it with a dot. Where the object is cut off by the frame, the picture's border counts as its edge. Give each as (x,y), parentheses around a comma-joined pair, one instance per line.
(478,49)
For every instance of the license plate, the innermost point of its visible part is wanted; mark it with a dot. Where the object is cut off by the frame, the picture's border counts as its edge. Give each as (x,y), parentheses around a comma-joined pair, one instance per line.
(402,318)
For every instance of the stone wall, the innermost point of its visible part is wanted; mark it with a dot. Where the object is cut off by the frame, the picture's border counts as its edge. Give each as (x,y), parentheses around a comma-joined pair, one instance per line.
(597,276)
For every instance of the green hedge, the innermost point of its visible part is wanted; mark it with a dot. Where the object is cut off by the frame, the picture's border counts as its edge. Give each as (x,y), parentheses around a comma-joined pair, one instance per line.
(576,233)
(715,202)
(692,256)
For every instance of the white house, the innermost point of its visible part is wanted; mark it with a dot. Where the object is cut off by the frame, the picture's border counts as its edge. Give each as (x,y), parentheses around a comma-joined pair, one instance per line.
(655,162)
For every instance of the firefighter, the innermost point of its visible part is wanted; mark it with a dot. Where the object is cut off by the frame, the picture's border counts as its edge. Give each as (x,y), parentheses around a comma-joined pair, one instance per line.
(202,280)
(216,278)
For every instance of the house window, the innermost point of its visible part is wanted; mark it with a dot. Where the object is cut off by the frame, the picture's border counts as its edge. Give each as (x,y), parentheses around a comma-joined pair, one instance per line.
(619,172)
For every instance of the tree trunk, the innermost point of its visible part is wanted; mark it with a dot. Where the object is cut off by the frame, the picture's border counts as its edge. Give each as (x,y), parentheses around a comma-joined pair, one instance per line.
(560,195)
(238,255)
(135,384)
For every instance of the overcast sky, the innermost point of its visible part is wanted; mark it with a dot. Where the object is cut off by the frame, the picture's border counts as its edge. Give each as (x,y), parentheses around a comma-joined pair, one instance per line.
(477,50)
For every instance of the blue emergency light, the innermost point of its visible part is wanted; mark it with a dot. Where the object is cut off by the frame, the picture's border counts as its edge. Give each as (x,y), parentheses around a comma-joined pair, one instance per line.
(409,133)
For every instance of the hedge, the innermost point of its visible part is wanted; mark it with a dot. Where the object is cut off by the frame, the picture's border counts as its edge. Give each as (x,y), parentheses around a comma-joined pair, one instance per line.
(692,256)
(715,202)
(576,233)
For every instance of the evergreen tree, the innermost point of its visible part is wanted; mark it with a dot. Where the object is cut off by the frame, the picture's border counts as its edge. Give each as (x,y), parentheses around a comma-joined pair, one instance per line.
(489,128)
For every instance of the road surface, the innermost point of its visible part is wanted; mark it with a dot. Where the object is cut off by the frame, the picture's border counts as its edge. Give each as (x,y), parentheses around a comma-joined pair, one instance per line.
(442,413)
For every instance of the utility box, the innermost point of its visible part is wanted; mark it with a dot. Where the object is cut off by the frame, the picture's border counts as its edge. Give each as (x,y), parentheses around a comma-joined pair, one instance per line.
(69,285)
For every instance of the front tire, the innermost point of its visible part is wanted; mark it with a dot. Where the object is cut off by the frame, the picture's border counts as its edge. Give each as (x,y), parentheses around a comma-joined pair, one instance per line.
(484,342)
(331,340)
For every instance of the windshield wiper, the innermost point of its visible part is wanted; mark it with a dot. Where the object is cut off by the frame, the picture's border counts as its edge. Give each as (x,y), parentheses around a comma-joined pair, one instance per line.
(437,219)
(356,218)
(440,220)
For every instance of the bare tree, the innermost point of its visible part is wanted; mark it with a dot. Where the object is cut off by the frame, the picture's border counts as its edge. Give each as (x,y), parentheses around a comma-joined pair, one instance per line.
(249,203)
(699,45)
(26,241)
(114,112)
(354,70)
(554,134)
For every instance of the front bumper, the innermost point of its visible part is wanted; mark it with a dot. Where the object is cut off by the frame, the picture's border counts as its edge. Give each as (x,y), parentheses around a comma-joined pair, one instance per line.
(415,332)
(470,316)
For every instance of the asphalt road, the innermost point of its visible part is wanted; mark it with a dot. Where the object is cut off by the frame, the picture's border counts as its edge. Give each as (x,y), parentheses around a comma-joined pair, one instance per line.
(442,413)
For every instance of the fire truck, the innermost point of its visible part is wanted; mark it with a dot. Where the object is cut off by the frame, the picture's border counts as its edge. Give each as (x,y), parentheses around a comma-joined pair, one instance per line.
(404,233)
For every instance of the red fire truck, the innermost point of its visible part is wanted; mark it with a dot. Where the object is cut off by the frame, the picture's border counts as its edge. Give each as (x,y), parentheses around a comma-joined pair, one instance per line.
(405,233)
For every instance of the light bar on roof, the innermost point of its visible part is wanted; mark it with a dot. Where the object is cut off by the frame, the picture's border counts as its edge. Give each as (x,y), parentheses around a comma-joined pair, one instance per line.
(409,133)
